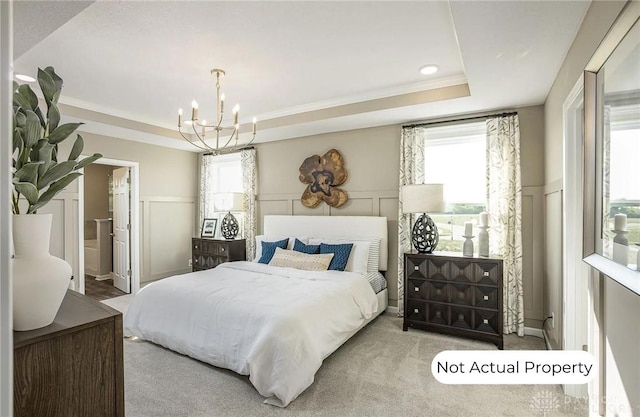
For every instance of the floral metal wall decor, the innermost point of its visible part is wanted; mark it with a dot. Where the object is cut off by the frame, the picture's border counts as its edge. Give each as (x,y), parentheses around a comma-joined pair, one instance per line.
(323,175)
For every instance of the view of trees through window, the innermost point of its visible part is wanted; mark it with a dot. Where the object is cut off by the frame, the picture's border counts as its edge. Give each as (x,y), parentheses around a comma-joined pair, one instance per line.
(455,155)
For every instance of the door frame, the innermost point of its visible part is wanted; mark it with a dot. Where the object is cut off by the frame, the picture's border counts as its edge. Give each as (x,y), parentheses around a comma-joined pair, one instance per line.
(574,271)
(134,172)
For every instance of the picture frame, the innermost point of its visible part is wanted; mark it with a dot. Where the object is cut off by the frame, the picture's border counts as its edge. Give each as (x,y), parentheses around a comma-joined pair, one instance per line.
(208,228)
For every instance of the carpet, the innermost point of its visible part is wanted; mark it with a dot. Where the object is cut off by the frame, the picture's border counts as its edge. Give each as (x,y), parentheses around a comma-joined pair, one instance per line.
(381,371)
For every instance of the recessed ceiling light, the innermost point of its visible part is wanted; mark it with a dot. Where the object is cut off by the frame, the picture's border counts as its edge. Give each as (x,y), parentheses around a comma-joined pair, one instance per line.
(25,78)
(428,69)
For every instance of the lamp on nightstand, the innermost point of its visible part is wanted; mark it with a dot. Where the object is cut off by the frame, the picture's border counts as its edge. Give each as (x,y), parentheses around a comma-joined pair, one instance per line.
(423,198)
(229,202)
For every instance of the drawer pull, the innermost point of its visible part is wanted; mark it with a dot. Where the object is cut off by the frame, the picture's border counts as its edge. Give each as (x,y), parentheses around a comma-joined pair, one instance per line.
(485,298)
(415,310)
(417,289)
(223,249)
(485,321)
(416,267)
(196,246)
(196,261)
(485,273)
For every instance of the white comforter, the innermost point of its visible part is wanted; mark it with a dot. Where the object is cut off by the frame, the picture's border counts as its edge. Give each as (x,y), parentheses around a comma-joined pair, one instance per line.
(274,324)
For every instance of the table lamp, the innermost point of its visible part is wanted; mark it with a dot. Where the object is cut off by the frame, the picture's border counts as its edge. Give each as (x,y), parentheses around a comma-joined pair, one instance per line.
(423,198)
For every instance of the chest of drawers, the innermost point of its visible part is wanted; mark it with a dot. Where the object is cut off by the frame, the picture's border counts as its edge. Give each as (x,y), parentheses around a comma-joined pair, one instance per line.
(454,294)
(209,253)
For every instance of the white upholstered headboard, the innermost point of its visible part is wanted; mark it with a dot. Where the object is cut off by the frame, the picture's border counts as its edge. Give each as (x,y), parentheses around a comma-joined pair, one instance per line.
(331,226)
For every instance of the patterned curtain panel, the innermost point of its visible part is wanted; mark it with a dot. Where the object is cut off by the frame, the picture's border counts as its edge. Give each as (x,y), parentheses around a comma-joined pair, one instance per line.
(504,205)
(206,209)
(607,234)
(411,172)
(249,186)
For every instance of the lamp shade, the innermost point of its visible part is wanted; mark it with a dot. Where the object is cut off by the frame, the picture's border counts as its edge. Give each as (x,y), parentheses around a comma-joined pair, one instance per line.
(229,202)
(422,198)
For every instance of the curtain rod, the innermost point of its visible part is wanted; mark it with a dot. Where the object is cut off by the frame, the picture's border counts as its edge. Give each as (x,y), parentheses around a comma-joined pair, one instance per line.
(464,119)
(229,152)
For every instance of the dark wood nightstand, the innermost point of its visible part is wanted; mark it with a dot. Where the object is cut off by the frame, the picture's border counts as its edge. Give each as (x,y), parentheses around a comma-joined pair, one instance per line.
(209,253)
(454,294)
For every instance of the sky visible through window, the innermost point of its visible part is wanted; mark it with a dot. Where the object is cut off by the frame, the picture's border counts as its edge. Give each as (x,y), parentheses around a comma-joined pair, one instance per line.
(458,162)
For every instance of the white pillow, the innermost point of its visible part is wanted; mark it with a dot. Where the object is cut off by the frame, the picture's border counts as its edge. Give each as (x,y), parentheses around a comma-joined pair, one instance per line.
(298,260)
(359,256)
(270,238)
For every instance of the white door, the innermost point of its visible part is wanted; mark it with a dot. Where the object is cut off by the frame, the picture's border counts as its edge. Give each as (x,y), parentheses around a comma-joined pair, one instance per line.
(121,226)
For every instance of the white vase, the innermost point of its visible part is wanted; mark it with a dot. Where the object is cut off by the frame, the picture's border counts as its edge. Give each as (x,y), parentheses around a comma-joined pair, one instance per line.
(40,281)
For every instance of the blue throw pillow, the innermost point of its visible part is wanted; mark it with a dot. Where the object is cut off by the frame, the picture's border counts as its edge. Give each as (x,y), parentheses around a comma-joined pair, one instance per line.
(310,249)
(269,249)
(340,255)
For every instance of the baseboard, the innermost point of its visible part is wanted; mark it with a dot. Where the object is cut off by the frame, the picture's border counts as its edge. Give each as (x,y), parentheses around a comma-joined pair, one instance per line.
(392,310)
(546,341)
(103,277)
(532,331)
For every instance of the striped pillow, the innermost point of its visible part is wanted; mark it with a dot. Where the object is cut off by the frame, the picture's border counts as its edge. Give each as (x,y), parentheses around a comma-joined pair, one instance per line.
(340,255)
(298,260)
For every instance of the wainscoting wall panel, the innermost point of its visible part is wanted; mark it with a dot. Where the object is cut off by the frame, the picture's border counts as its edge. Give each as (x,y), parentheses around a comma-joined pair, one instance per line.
(532,254)
(168,226)
(553,255)
(169,236)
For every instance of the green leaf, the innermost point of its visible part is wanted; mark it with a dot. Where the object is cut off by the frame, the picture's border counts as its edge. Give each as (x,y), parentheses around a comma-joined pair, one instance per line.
(20,118)
(57,81)
(47,85)
(28,172)
(28,190)
(55,173)
(32,131)
(89,160)
(54,189)
(53,114)
(18,143)
(45,155)
(26,91)
(21,101)
(78,146)
(62,132)
(33,156)
(15,86)
(41,117)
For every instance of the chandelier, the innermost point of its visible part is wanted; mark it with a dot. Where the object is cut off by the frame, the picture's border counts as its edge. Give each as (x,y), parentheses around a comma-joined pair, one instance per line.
(226,137)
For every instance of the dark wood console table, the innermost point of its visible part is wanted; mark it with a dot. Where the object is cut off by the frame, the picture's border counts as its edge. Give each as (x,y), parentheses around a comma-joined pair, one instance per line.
(74,367)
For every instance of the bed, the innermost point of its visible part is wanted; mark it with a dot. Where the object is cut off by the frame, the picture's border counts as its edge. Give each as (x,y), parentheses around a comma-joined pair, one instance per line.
(274,324)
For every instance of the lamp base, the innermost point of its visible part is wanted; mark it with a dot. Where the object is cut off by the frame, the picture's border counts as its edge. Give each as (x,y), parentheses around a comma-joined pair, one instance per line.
(425,234)
(229,227)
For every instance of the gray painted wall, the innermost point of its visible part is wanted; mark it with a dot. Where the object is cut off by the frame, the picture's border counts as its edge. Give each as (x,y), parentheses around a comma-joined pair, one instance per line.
(372,158)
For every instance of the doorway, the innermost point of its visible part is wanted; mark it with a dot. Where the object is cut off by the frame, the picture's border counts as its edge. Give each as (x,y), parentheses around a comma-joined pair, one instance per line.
(109,229)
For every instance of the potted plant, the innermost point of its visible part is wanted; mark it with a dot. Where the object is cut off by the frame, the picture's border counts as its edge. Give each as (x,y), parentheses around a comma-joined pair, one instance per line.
(39,279)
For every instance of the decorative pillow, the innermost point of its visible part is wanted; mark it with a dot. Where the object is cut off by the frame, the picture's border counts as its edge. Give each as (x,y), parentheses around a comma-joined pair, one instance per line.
(273,238)
(269,248)
(360,253)
(299,260)
(340,255)
(301,247)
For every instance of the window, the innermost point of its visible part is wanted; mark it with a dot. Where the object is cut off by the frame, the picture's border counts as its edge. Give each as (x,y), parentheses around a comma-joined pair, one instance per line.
(220,174)
(455,155)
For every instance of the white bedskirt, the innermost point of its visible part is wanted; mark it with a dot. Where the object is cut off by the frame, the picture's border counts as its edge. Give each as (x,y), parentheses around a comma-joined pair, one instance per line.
(274,324)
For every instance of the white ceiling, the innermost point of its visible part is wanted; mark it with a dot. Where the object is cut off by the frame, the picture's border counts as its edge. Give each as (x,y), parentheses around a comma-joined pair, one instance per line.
(301,68)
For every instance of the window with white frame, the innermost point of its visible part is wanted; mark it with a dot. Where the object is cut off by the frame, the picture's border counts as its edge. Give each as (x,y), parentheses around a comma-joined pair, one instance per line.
(455,155)
(220,174)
